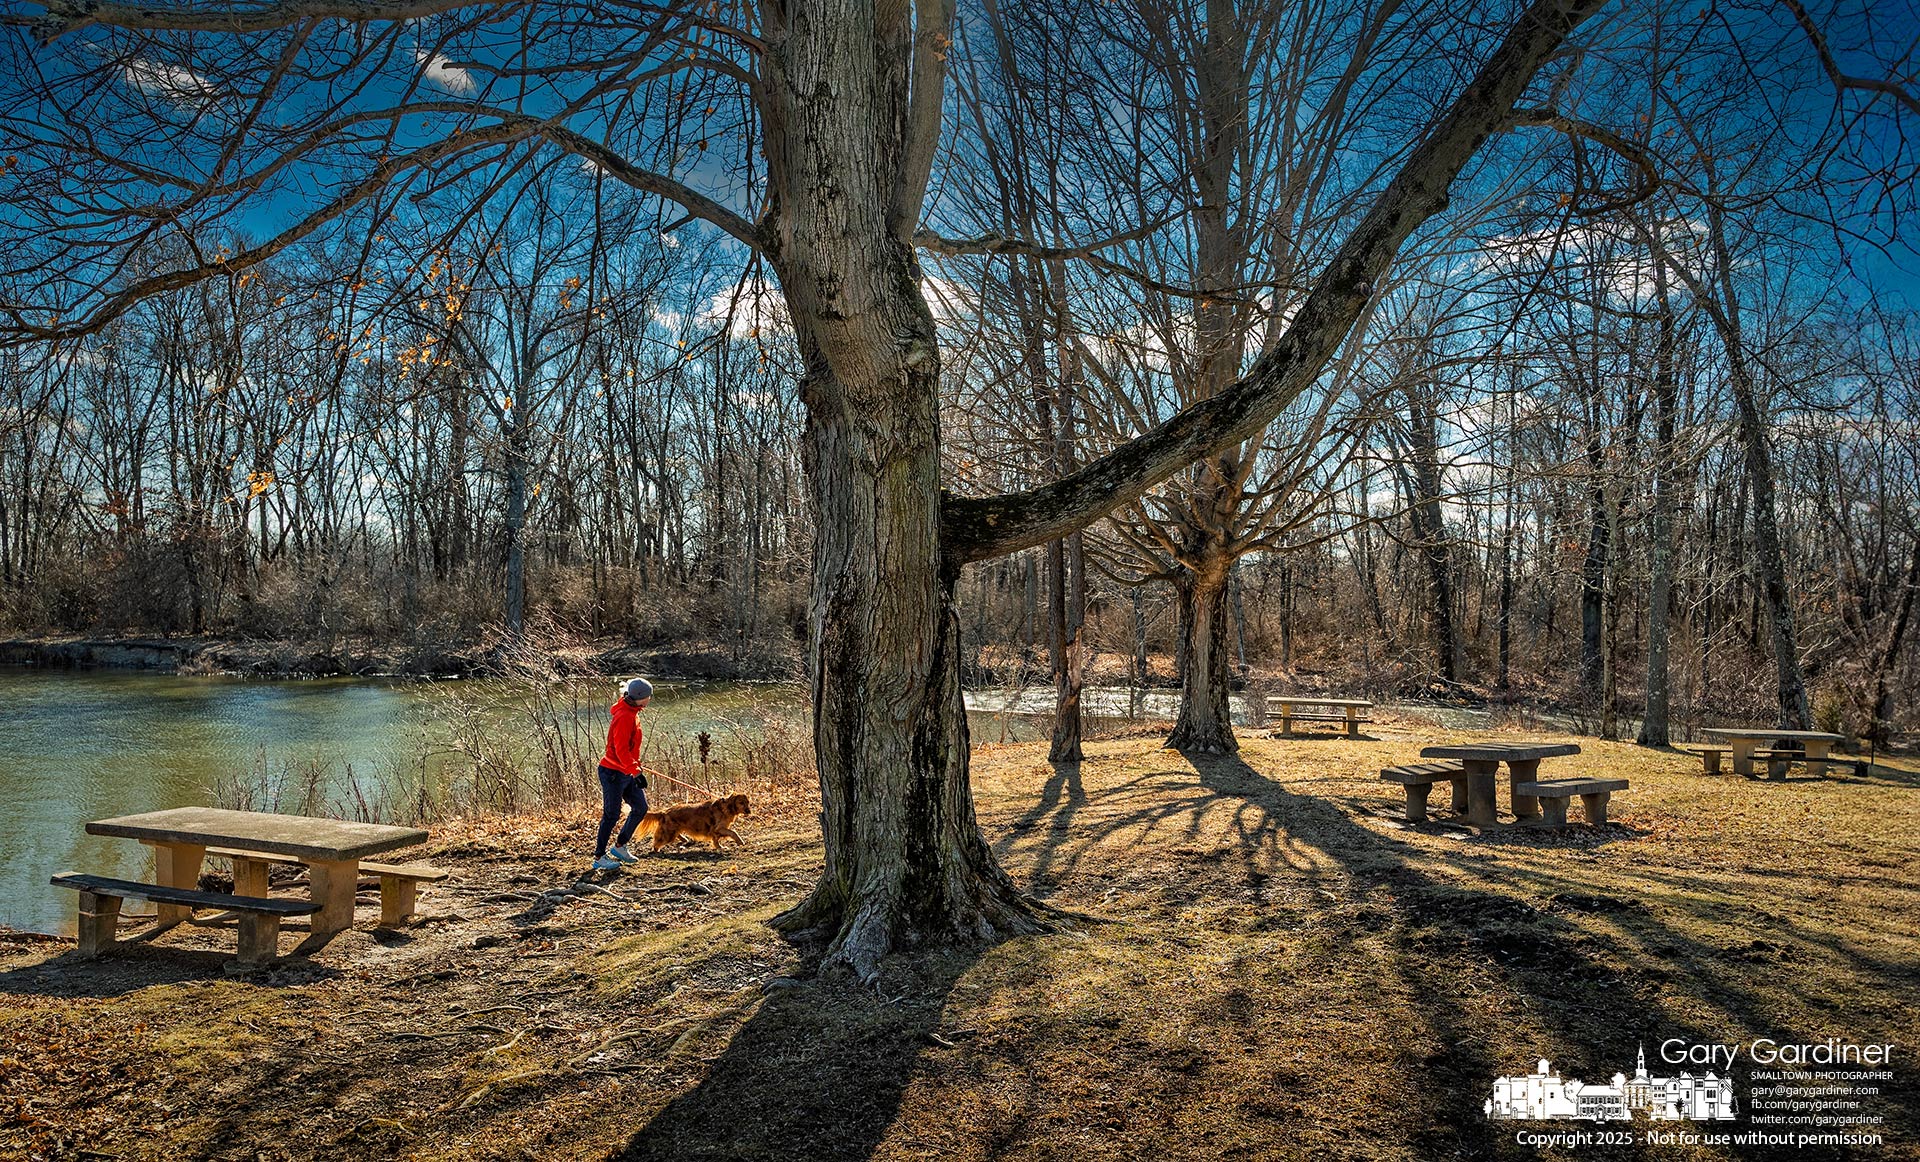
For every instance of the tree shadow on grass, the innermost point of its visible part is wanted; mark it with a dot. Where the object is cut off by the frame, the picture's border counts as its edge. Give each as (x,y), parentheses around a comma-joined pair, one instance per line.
(135,962)
(818,1072)
(1877,774)
(1062,798)
(1598,972)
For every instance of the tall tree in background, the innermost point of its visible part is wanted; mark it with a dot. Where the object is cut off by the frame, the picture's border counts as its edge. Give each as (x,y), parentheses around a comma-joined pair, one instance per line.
(1245,110)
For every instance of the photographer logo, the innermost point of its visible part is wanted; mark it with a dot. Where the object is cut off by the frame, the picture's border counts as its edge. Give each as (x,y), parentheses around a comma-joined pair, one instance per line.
(1544,1096)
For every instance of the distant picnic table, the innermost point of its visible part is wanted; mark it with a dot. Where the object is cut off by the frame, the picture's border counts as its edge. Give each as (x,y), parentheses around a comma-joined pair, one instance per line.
(1749,744)
(181,838)
(1352,712)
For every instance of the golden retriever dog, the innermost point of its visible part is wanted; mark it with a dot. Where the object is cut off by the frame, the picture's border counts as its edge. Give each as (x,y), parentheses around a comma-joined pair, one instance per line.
(709,821)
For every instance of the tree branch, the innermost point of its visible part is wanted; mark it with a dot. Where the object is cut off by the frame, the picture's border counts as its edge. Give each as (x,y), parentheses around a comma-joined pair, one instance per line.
(19,328)
(694,202)
(1841,80)
(1001,244)
(1620,146)
(977,528)
(932,44)
(64,16)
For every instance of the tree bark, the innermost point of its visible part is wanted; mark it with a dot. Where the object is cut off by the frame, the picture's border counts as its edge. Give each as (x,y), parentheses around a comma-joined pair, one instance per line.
(516,528)
(1654,726)
(1070,592)
(1205,723)
(1069,599)
(1593,571)
(1880,730)
(1136,697)
(1723,309)
(1430,534)
(905,861)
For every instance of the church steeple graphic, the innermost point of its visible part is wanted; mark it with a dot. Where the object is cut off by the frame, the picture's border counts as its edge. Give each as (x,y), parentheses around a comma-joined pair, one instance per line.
(1641,1070)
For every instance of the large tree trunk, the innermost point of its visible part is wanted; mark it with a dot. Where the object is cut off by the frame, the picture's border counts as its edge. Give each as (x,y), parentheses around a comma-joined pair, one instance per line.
(1654,727)
(905,861)
(1593,573)
(1430,532)
(1068,558)
(1067,602)
(1880,729)
(1205,723)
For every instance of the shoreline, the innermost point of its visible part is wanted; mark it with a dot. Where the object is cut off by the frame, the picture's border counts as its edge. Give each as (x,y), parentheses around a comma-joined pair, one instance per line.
(362,659)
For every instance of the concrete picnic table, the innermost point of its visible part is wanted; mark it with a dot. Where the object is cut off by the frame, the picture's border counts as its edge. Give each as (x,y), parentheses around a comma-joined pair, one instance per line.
(1286,703)
(1743,742)
(1482,761)
(331,848)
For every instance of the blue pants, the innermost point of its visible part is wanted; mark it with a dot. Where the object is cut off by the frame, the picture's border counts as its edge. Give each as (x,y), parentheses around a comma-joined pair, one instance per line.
(617,787)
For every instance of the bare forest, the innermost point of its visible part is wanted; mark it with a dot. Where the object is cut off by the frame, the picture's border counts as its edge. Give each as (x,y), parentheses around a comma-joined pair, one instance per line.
(1630,432)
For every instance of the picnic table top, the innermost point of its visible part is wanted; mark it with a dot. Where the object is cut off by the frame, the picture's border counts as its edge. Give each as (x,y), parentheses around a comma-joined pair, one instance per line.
(295,835)
(1307,700)
(1758,732)
(1501,752)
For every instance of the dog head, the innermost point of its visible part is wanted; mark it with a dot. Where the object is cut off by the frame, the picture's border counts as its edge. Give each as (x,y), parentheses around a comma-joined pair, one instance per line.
(739,805)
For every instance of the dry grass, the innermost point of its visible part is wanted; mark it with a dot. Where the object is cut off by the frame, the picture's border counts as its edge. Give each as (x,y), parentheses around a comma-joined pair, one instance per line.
(1275,969)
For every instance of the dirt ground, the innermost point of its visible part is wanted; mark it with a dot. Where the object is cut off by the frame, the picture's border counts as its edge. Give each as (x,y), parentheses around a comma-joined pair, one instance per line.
(1272,966)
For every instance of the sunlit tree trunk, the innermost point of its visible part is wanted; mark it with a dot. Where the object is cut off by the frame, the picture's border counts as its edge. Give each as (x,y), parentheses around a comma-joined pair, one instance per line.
(1205,721)
(1654,727)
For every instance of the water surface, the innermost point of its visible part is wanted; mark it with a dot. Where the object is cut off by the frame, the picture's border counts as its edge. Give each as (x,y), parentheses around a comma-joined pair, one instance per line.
(77,745)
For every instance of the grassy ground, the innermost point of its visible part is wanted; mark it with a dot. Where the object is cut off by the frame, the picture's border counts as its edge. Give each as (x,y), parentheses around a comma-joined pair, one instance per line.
(1278,969)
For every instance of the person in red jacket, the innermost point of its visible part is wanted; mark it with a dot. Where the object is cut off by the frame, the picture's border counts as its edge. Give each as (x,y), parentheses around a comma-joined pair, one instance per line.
(620,779)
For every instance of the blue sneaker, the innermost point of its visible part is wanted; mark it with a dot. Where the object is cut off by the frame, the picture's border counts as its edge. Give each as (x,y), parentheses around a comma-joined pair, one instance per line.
(605,863)
(623,855)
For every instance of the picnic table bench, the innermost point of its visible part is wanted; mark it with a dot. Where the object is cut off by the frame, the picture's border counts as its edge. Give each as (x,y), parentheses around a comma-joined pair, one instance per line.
(330,848)
(1710,759)
(100,900)
(1481,763)
(1352,712)
(399,882)
(1419,778)
(1552,795)
(1765,745)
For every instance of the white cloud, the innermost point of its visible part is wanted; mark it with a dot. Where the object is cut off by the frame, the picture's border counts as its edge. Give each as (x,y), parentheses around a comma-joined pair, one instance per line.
(441,73)
(751,309)
(949,301)
(168,82)
(1613,252)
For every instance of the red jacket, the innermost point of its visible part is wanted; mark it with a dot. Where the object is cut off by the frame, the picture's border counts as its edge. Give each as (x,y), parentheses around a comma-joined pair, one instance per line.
(623,739)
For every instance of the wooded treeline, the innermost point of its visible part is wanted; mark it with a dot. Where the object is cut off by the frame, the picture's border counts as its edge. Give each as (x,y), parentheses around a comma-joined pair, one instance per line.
(1632,413)
(419,442)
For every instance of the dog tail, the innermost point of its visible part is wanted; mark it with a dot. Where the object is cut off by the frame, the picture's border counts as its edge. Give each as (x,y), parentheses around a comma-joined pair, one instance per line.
(650,823)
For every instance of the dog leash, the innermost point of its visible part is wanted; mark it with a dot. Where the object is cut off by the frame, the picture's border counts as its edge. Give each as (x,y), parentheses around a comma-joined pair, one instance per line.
(676,782)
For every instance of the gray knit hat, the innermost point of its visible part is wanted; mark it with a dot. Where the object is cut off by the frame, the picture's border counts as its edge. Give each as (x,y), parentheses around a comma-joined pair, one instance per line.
(636,689)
